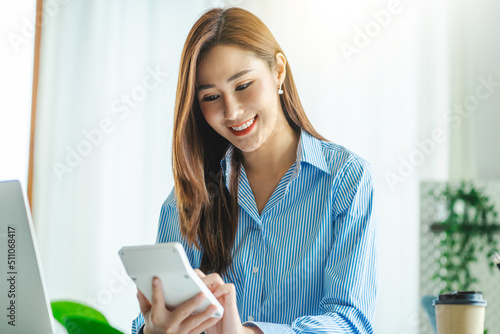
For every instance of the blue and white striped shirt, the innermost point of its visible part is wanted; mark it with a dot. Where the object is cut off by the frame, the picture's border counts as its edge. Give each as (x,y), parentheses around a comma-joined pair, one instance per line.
(308,262)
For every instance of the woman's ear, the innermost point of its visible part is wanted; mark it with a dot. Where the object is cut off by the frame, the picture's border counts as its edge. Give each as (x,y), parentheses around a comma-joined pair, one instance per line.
(280,67)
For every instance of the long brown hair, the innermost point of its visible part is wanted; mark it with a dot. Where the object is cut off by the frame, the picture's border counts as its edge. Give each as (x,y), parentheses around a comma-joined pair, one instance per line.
(208,212)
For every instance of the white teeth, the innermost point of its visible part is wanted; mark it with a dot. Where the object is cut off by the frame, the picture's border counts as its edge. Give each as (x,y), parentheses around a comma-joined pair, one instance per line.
(244,126)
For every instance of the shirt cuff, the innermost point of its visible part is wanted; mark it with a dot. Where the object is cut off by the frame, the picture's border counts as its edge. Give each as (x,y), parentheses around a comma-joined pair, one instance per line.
(269,328)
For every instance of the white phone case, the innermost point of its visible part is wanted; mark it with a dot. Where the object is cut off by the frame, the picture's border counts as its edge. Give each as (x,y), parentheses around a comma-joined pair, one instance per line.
(169,262)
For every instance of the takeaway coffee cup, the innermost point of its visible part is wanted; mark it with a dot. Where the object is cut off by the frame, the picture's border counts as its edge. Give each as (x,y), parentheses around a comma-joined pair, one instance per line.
(460,312)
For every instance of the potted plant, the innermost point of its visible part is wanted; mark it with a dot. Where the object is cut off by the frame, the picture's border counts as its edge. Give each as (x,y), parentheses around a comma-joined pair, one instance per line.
(467,228)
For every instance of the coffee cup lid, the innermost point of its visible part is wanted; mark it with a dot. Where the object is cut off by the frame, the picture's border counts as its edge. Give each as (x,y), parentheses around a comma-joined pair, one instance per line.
(461,298)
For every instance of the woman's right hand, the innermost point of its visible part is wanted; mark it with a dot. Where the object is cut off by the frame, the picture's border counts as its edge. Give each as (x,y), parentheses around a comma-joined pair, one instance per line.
(158,319)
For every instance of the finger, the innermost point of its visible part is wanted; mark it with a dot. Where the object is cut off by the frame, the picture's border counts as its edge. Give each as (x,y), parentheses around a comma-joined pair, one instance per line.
(226,294)
(205,325)
(213,281)
(202,320)
(158,309)
(158,298)
(144,303)
(200,273)
(186,309)
(228,291)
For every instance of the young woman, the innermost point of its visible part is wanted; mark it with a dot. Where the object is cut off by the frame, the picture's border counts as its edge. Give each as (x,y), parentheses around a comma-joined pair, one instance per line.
(278,220)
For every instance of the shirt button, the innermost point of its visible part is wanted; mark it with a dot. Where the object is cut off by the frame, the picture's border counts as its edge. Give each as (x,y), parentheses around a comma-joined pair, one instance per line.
(255,270)
(250,318)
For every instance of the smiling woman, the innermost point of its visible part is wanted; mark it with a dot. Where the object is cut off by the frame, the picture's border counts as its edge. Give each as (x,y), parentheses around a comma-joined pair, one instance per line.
(234,107)
(280,219)
(384,105)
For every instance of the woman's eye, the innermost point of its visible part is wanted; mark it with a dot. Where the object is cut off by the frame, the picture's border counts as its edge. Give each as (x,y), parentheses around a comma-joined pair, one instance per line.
(245,86)
(210,98)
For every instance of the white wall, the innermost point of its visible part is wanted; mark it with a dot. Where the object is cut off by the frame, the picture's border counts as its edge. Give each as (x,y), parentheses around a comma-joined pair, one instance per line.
(475,90)
(488,115)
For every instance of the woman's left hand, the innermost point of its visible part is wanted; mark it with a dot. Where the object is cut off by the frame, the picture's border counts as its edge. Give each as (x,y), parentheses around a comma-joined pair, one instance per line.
(226,295)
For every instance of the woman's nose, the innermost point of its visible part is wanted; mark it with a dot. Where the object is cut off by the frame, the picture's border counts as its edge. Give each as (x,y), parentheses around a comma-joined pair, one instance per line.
(232,108)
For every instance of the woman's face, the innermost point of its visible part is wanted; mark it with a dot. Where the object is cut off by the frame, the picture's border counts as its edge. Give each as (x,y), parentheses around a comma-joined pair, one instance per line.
(238,96)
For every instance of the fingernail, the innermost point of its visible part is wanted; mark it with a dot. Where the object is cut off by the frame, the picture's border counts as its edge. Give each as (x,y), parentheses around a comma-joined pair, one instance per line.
(156,281)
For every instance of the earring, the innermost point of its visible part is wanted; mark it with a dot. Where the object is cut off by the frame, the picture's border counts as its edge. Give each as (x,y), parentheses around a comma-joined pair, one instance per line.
(280,91)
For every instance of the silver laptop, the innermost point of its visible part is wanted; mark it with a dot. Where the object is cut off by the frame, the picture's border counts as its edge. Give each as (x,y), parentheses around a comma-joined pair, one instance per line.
(24,305)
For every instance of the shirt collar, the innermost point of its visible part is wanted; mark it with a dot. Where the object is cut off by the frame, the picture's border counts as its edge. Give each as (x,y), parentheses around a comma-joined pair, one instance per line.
(308,150)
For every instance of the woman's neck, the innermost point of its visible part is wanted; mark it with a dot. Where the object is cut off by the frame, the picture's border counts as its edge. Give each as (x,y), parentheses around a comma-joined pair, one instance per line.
(276,155)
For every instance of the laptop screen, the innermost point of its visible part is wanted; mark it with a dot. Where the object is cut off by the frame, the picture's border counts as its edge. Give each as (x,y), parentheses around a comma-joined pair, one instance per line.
(23,301)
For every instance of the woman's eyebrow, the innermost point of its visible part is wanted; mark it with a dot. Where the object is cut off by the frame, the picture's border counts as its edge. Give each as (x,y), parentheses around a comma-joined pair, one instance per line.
(237,75)
(234,77)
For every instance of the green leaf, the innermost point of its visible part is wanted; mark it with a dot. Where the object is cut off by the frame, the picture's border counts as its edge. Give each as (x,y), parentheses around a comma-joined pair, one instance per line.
(82,325)
(63,309)
(466,235)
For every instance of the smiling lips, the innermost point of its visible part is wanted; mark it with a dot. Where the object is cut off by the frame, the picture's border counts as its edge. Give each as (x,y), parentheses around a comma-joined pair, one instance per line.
(243,128)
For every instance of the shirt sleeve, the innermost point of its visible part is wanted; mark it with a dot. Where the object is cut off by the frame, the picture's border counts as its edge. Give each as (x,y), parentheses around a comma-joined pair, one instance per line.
(350,275)
(138,324)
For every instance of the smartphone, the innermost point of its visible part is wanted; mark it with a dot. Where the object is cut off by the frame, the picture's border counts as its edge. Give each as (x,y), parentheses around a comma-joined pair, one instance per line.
(169,262)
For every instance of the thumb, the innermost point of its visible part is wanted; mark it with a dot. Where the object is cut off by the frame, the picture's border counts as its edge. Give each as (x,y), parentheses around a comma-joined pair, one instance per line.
(144,303)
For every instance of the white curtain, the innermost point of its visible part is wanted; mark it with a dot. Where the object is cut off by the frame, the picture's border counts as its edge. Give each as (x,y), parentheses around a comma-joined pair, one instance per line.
(373,77)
